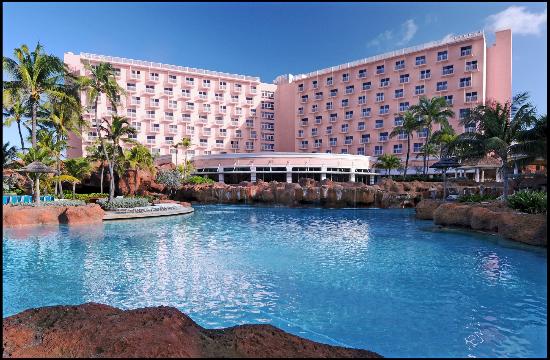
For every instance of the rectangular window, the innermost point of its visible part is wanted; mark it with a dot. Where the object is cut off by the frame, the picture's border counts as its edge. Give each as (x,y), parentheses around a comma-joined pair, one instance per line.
(379,97)
(384,109)
(420,60)
(333,141)
(333,92)
(150,89)
(361,126)
(471,65)
(301,87)
(399,93)
(398,148)
(463,113)
(130,86)
(471,96)
(131,113)
(345,102)
(314,84)
(441,86)
(362,100)
(348,140)
(349,115)
(349,89)
(318,119)
(333,117)
(404,79)
(442,55)
(362,73)
(400,65)
(345,77)
(419,90)
(383,136)
(367,85)
(189,81)
(417,147)
(380,69)
(465,82)
(361,151)
(378,150)
(378,124)
(384,82)
(365,112)
(448,70)
(365,138)
(344,128)
(329,106)
(404,106)
(329,81)
(449,99)
(466,50)
(425,74)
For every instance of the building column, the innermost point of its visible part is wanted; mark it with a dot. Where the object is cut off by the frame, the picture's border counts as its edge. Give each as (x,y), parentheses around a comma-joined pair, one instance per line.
(482,175)
(323,172)
(253,173)
(289,174)
(220,177)
(477,175)
(497,175)
(516,170)
(352,175)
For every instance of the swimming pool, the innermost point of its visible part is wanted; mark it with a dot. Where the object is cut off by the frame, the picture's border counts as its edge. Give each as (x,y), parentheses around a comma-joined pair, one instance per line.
(366,278)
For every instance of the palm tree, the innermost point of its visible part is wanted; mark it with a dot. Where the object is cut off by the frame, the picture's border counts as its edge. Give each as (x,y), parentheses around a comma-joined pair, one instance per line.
(14,110)
(139,157)
(36,75)
(532,143)
(95,153)
(47,139)
(78,168)
(9,153)
(432,111)
(410,125)
(388,162)
(499,127)
(114,132)
(444,139)
(185,144)
(101,81)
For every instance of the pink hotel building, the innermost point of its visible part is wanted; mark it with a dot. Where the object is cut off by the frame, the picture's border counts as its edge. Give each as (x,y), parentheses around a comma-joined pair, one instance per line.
(346,109)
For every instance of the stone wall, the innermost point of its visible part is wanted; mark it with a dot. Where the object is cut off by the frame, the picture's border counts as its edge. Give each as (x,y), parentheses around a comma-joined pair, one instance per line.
(51,215)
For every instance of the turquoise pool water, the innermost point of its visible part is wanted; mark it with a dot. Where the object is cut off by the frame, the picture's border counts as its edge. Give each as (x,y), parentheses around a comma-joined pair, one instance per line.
(366,278)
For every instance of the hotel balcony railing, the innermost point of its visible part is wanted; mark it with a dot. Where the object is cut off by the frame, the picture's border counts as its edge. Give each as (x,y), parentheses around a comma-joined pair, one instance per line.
(401,137)
(344,130)
(447,72)
(172,81)
(362,75)
(333,119)
(420,62)
(333,143)
(464,84)
(314,134)
(403,108)
(238,135)
(234,123)
(404,80)
(220,122)
(249,102)
(399,67)
(249,125)
(348,141)
(153,78)
(383,138)
(205,85)
(384,84)
(441,88)
(316,145)
(172,106)
(379,71)
(345,78)
(221,134)
(252,91)
(318,97)
(222,87)
(464,53)
(253,136)
(188,83)
(419,92)
(398,151)
(236,89)
(314,110)
(151,141)
(383,112)
(169,93)
(219,146)
(379,99)
(361,128)
(234,146)
(135,76)
(201,97)
(365,114)
(173,131)
(169,142)
(472,98)
(378,126)
(189,108)
(203,144)
(442,57)
(344,105)
(155,129)
(399,96)
(154,104)
(348,117)
(304,123)
(425,76)
(330,82)
(349,91)
(365,140)
(471,68)
(218,98)
(149,91)
(249,147)
(300,135)
(168,118)
(331,107)
(131,89)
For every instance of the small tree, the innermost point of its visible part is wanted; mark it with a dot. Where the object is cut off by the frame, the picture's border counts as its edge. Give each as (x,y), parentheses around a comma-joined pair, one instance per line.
(78,168)
(171,179)
(388,162)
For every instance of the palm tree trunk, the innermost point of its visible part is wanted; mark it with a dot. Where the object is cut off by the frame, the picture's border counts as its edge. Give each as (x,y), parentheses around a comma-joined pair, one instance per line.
(20,135)
(33,124)
(505,181)
(37,189)
(185,164)
(176,156)
(112,165)
(407,158)
(104,149)
(74,189)
(102,173)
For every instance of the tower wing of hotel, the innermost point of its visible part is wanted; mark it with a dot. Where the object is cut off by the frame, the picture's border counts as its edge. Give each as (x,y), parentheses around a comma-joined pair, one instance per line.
(347,109)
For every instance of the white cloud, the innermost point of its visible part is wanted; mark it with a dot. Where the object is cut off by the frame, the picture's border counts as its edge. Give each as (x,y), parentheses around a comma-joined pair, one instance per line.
(409,29)
(517,18)
(405,34)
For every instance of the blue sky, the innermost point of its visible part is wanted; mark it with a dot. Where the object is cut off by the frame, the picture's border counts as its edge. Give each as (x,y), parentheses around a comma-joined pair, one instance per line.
(270,39)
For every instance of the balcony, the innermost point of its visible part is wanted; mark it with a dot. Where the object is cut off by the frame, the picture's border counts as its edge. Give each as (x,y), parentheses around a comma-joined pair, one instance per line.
(234,146)
(222,87)
(189,108)
(236,89)
(151,141)
(201,97)
(318,97)
(155,129)
(168,118)
(149,91)
(300,135)
(345,79)
(205,85)
(383,139)
(465,84)
(379,71)
(466,53)
(328,132)
(203,144)
(304,123)
(238,135)
(348,141)
(420,62)
(135,76)
(131,89)
(221,134)
(169,142)
(471,98)
(303,146)
(330,82)
(154,79)
(249,125)
(442,57)
(426,76)
(365,140)
(316,145)
(173,130)
(419,92)
(441,88)
(218,98)
(220,122)
(168,93)
(361,128)
(219,145)
(447,72)
(344,130)
(399,67)
(362,75)
(249,147)
(188,83)
(333,143)
(154,104)
(234,123)
(315,134)
(253,136)
(333,119)
(252,90)
(471,68)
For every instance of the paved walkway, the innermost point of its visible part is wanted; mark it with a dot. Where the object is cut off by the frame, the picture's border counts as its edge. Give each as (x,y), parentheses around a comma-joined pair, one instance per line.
(148,211)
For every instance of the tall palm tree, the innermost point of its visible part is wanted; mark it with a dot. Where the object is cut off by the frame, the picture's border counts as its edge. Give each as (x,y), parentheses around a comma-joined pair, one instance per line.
(139,157)
(388,162)
(532,143)
(114,132)
(101,80)
(48,139)
(410,125)
(432,111)
(9,153)
(499,127)
(444,139)
(185,144)
(78,168)
(14,109)
(37,75)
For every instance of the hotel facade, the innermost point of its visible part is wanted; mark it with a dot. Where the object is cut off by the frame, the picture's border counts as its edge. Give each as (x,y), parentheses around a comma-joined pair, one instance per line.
(346,109)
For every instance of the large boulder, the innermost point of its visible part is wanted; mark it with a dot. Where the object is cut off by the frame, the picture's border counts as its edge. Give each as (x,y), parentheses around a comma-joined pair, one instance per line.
(51,215)
(425,209)
(95,330)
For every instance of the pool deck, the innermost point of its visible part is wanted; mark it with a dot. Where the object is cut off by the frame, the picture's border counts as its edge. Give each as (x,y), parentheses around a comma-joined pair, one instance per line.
(149,211)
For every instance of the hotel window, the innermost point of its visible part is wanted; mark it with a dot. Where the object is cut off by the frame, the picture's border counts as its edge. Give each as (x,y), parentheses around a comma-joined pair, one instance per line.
(300,133)
(349,115)
(400,65)
(425,74)
(304,98)
(189,81)
(470,127)
(398,148)
(222,132)
(350,89)
(136,125)
(156,128)
(398,121)
(384,109)
(365,138)
(92,134)
(343,151)
(150,114)
(185,117)
(399,93)
(223,109)
(130,87)
(301,87)
(402,135)
(190,106)
(378,150)
(333,117)
(329,81)
(135,74)
(153,76)
(238,111)
(169,140)
(403,79)
(378,124)
(448,70)
(186,93)
(441,86)
(190,130)
(318,95)
(379,97)
(362,99)
(333,92)
(203,119)
(380,69)
(419,90)
(329,130)
(269,105)
(150,139)
(150,89)
(442,55)
(173,128)
(449,99)
(361,126)
(314,108)
(471,65)
(238,133)
(465,82)
(206,107)
(300,110)
(172,78)
(253,89)
(365,112)
(361,151)
(253,134)
(348,140)
(249,123)
(345,102)
(362,73)
(203,142)
(420,60)
(172,104)
(466,50)
(314,132)
(333,141)
(131,113)
(345,77)
(318,119)
(206,83)
(422,133)
(463,113)
(136,100)
(383,136)
(384,82)
(268,115)
(471,96)
(314,84)
(222,85)
(219,143)
(417,147)
(249,145)
(155,102)
(367,85)
(203,95)
(318,143)
(404,106)
(234,144)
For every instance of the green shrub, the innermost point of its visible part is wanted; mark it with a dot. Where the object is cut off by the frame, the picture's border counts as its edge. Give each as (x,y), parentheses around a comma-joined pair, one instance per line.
(528,201)
(436,178)
(123,203)
(198,180)
(86,197)
(170,178)
(53,203)
(474,198)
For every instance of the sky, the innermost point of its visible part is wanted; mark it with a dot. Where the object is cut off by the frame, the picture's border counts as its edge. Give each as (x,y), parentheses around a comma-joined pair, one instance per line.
(271,39)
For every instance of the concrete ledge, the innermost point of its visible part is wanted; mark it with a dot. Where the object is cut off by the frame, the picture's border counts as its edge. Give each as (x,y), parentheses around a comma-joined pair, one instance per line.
(169,211)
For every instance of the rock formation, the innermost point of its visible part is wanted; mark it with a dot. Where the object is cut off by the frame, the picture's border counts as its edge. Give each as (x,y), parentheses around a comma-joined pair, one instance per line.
(51,215)
(95,330)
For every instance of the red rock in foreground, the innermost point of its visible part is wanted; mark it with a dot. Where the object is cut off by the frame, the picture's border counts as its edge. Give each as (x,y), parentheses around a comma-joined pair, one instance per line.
(95,330)
(51,215)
